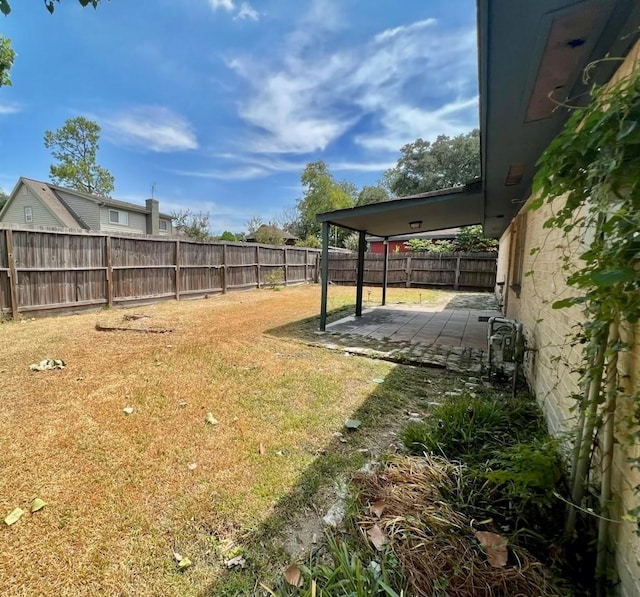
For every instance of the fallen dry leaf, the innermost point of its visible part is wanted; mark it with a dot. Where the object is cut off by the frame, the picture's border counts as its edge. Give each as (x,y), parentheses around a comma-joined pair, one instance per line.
(377,508)
(293,575)
(495,547)
(37,504)
(378,537)
(13,516)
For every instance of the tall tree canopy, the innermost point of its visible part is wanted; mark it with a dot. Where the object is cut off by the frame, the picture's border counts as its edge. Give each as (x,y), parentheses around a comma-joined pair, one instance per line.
(425,166)
(321,193)
(371,194)
(75,146)
(5,7)
(7,56)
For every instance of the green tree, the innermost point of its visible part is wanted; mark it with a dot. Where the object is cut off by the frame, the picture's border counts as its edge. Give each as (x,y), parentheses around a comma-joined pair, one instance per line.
(372,194)
(228,236)
(312,242)
(5,7)
(472,240)
(321,193)
(75,146)
(425,166)
(426,245)
(7,56)
(192,224)
(269,234)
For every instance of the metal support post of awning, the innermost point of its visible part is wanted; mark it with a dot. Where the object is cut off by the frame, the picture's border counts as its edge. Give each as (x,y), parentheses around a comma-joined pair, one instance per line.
(362,245)
(385,270)
(324,276)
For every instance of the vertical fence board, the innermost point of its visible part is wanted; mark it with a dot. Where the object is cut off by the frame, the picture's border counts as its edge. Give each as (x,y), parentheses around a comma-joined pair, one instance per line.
(13,276)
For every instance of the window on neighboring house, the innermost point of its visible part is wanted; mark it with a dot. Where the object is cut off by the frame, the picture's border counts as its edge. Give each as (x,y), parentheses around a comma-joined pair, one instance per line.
(163,225)
(118,217)
(28,215)
(518,239)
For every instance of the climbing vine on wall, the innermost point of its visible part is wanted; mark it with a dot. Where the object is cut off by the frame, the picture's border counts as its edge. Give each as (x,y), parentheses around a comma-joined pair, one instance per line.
(592,172)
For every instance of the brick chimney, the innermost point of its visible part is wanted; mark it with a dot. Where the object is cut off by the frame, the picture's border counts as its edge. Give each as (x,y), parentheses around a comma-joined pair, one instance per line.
(153,217)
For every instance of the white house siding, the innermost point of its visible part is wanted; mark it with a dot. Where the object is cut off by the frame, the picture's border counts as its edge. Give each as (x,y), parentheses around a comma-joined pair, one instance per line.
(87,211)
(42,216)
(137,222)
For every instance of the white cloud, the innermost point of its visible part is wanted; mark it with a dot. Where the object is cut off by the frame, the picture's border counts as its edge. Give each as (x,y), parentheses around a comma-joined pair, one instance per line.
(246,11)
(404,29)
(225,4)
(151,128)
(243,12)
(9,108)
(256,166)
(416,80)
(244,173)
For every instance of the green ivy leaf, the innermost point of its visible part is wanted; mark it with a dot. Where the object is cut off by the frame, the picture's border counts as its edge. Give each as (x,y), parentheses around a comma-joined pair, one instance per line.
(563,303)
(627,130)
(612,276)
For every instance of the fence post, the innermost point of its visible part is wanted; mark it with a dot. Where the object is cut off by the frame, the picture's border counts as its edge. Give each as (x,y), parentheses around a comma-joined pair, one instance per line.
(284,254)
(109,264)
(224,268)
(258,264)
(306,265)
(177,270)
(408,272)
(13,275)
(456,284)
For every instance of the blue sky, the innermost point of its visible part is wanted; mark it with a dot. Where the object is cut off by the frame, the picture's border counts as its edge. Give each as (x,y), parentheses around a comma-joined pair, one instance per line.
(221,103)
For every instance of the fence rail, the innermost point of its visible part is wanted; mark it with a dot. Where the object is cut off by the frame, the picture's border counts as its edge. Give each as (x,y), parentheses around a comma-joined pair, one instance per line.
(454,270)
(45,270)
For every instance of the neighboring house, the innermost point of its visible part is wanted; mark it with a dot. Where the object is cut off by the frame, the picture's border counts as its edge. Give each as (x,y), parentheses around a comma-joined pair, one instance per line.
(33,203)
(397,243)
(267,231)
(528,52)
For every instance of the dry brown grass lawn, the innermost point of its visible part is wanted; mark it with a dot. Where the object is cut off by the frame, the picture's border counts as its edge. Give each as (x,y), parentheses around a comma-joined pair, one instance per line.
(121,497)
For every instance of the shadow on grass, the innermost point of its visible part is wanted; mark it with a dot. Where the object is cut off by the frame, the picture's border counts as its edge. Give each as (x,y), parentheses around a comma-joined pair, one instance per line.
(383,415)
(307,329)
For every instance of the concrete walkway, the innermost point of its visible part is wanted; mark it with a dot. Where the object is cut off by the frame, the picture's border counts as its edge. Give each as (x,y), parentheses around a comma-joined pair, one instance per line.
(453,336)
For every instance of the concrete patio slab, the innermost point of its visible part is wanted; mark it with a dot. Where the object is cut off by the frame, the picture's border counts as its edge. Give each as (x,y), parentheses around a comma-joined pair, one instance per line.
(453,336)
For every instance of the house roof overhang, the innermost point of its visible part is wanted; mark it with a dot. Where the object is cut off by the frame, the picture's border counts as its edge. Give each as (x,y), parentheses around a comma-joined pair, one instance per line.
(437,210)
(527,51)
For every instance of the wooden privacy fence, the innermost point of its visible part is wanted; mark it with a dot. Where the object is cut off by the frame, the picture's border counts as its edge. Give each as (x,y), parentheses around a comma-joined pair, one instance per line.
(454,270)
(55,270)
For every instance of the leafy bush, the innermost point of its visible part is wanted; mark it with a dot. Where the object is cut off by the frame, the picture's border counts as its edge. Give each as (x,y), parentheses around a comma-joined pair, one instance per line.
(472,428)
(346,575)
(275,278)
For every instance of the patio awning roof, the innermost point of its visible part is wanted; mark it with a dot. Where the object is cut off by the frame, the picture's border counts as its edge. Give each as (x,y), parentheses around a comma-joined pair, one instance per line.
(437,210)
